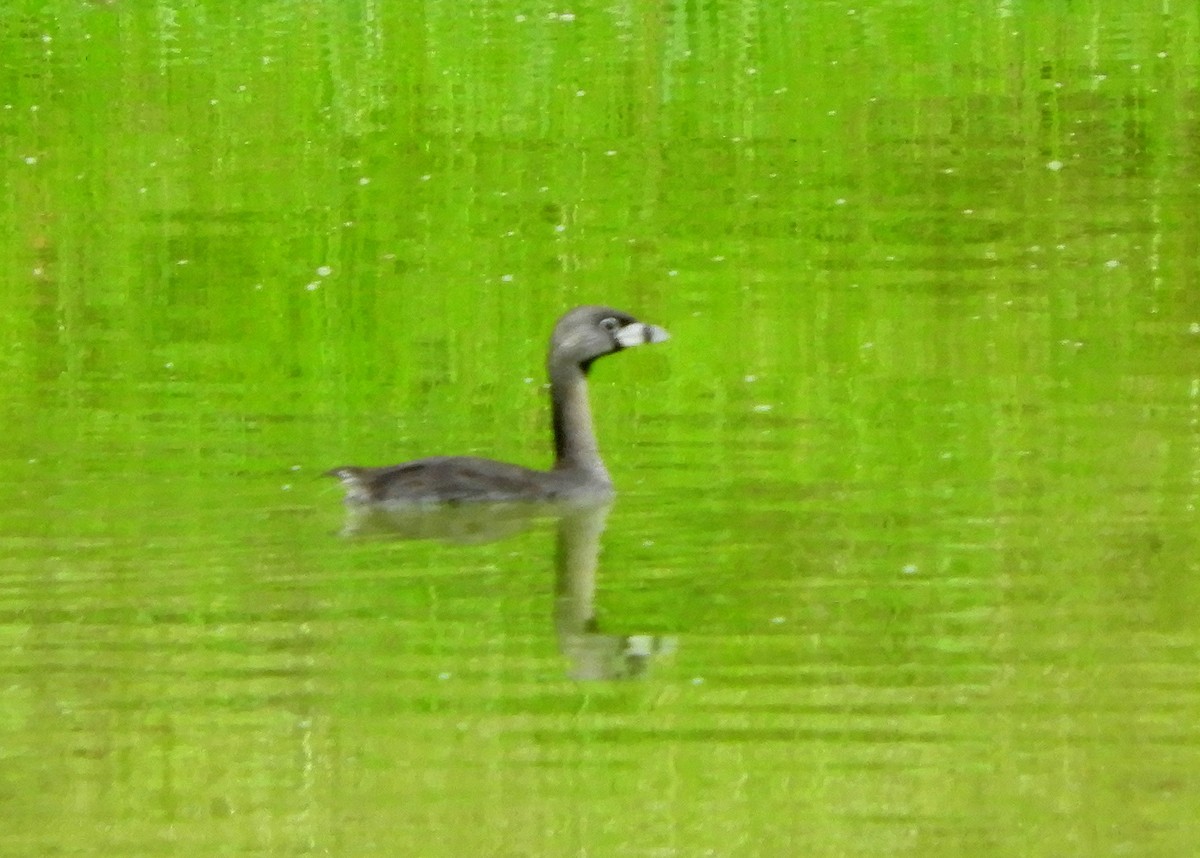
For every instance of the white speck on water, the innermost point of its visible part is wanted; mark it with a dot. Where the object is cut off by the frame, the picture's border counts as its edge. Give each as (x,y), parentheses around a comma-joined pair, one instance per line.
(580,93)
(750,379)
(610,152)
(286,487)
(30,160)
(520,19)
(697,680)
(182,261)
(778,620)
(867,346)
(296,467)
(968,211)
(752,71)
(718,259)
(762,408)
(258,287)
(506,278)
(560,227)
(910,569)
(1194,328)
(840,201)
(1162,55)
(313,287)
(672,272)
(1112,263)
(364,180)
(1054,165)
(444,675)
(169,365)
(324,271)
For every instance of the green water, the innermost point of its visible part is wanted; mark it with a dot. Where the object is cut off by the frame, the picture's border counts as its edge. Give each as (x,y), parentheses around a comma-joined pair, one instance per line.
(904,558)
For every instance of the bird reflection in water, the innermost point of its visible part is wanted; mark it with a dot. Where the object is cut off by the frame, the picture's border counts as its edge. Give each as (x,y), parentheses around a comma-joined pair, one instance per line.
(591,653)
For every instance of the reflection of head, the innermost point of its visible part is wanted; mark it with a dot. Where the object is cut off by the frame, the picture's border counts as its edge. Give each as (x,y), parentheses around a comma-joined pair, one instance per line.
(604,657)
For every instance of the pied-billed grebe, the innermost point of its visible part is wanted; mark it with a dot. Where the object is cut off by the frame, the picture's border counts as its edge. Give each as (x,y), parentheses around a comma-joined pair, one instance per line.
(580,337)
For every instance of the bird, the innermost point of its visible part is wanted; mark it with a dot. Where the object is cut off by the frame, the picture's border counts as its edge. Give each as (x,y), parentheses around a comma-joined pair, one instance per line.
(580,337)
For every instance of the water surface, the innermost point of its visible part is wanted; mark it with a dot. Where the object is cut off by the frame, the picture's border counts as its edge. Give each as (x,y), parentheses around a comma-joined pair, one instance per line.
(904,556)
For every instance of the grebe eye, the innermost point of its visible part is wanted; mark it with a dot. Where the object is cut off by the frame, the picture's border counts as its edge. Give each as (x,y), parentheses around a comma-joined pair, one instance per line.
(609,324)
